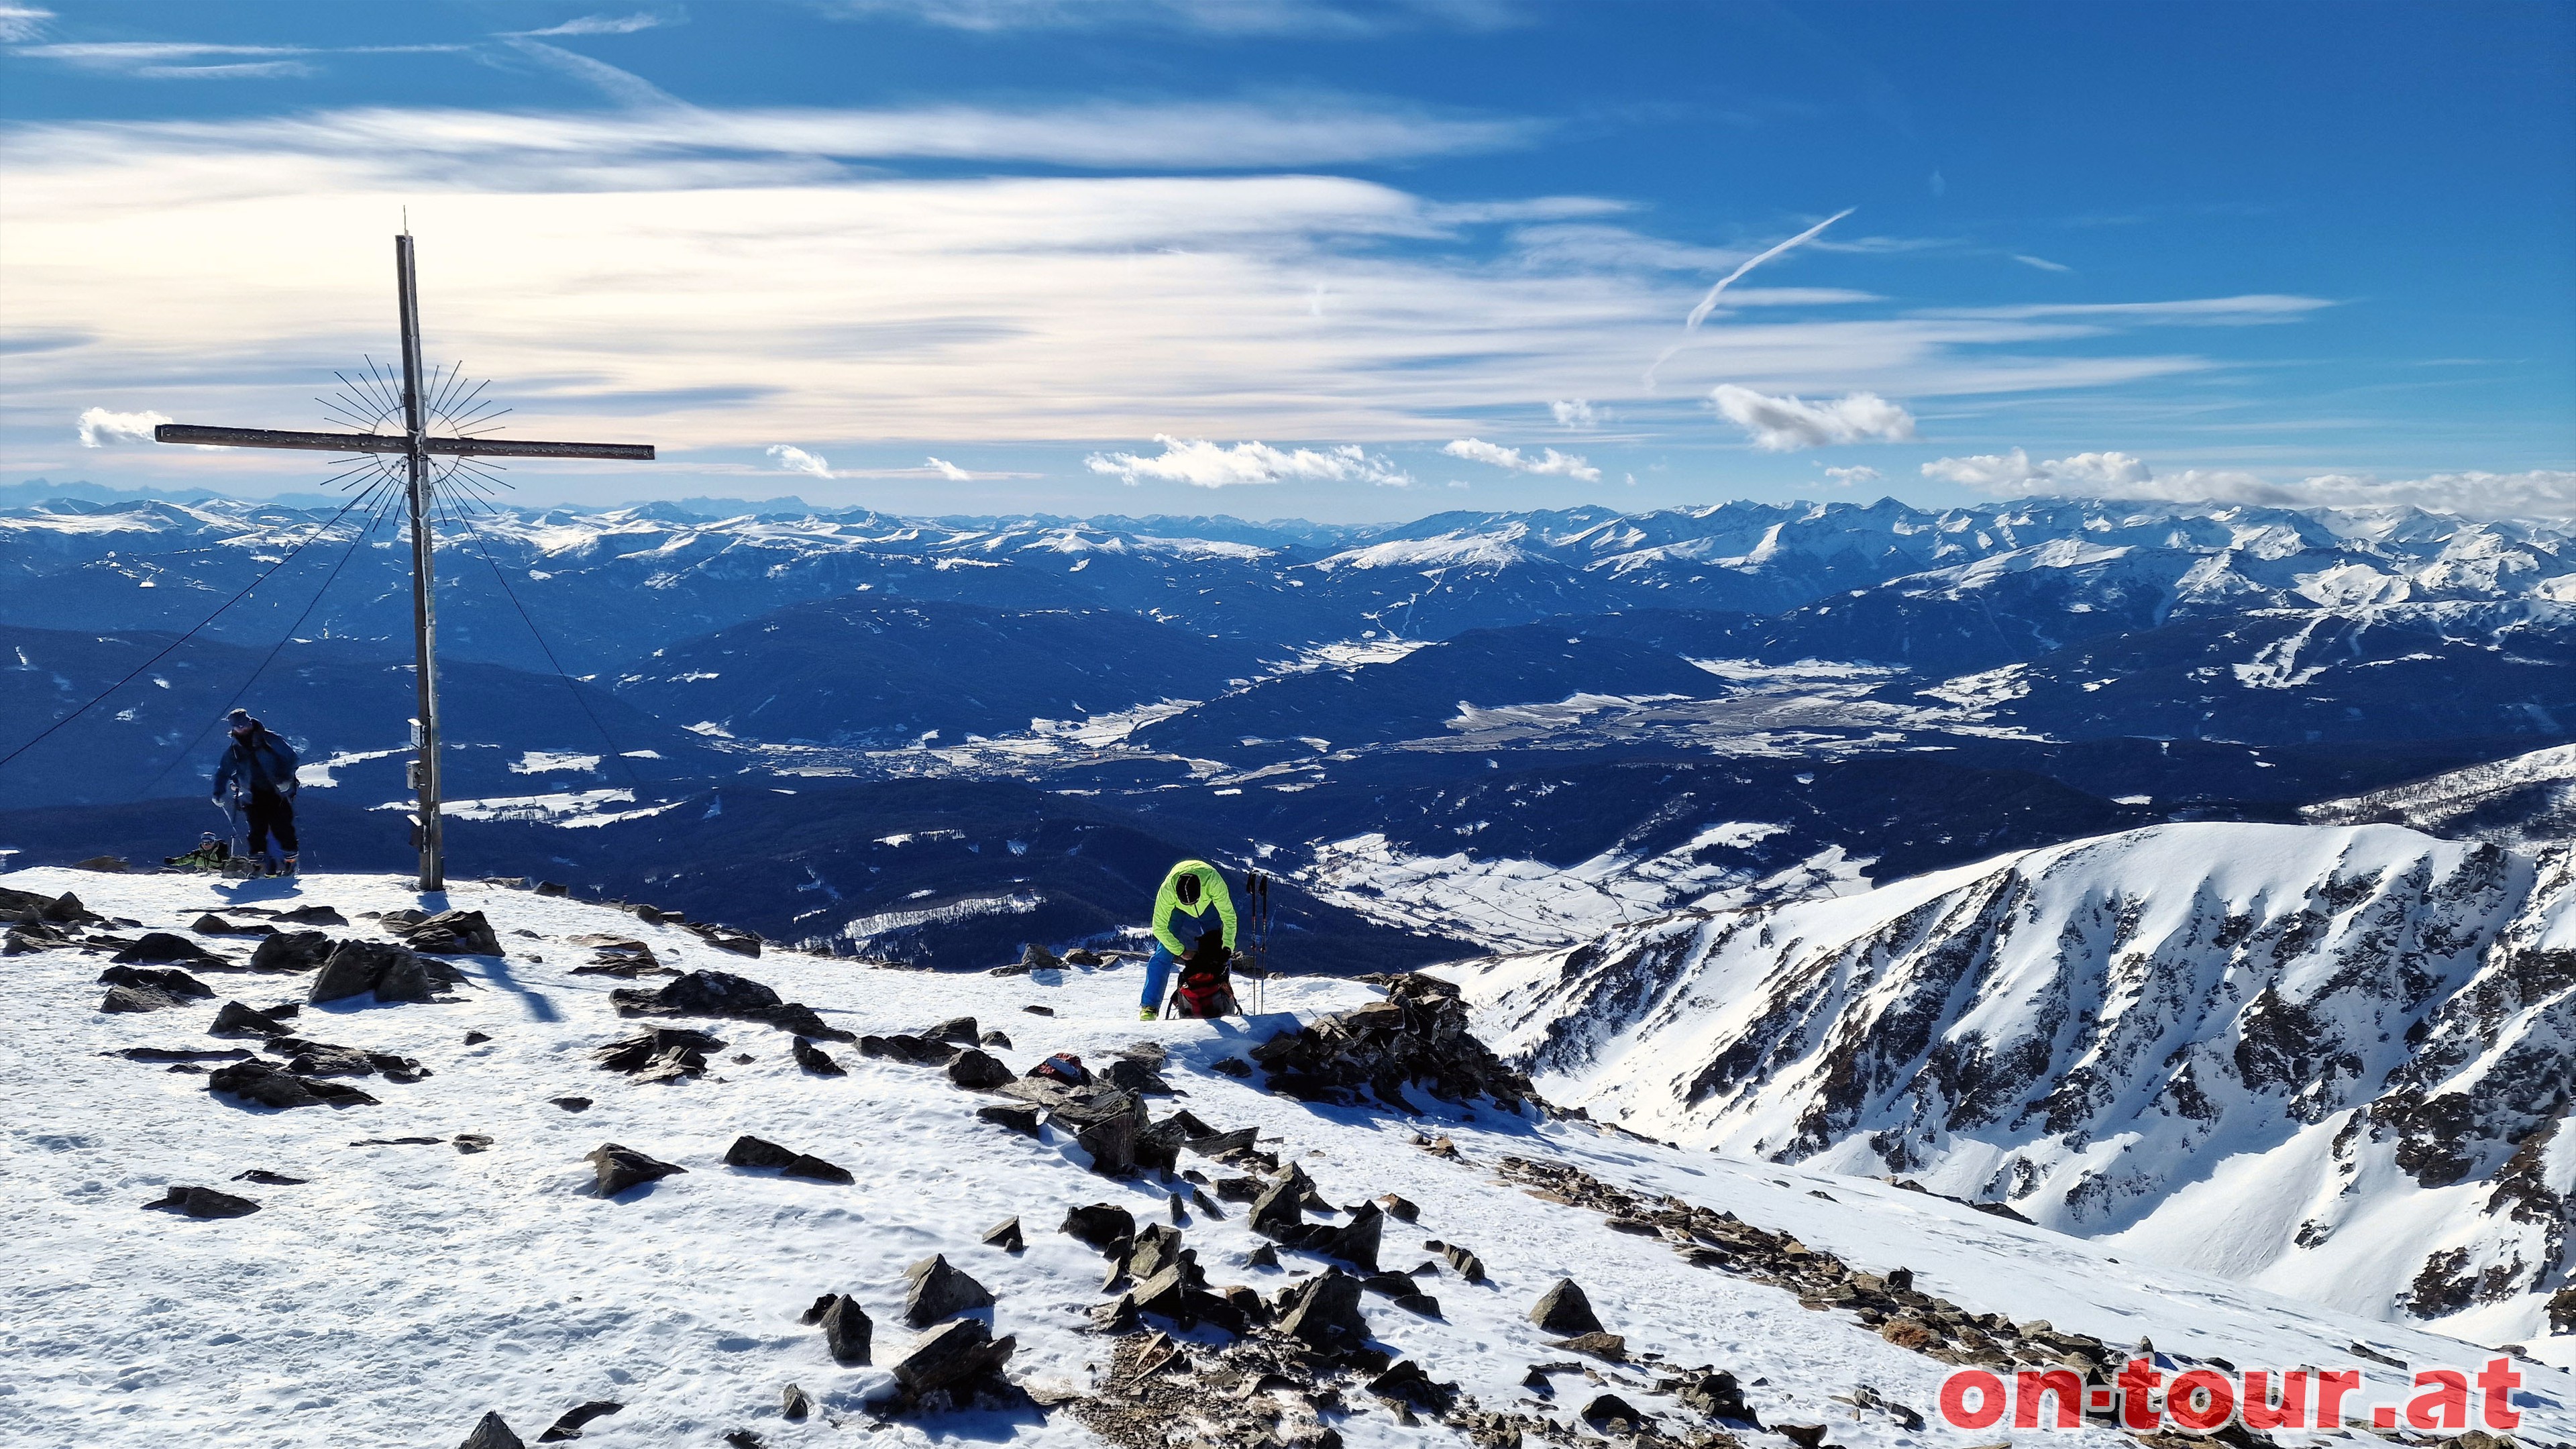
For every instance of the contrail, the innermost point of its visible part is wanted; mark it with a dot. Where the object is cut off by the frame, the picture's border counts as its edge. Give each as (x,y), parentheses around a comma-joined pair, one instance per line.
(1708,303)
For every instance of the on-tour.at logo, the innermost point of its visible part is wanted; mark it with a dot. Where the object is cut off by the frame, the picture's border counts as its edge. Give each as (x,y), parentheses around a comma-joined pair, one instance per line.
(2203,1400)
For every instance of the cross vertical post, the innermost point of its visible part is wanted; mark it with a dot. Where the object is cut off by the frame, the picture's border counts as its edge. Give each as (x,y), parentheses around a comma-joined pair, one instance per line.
(463,441)
(424,600)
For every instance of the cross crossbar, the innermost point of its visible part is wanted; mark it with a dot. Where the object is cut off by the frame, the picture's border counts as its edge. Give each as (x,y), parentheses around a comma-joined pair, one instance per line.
(417,446)
(395,443)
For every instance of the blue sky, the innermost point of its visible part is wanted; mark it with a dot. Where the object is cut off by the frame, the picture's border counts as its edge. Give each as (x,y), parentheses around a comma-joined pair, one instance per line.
(1087,254)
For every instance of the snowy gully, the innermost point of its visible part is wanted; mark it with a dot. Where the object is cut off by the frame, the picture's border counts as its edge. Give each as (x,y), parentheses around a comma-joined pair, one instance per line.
(2203,1400)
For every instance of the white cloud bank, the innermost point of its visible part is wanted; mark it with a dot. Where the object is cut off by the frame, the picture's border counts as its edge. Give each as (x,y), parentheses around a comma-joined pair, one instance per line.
(1549,463)
(1203,464)
(797,460)
(1859,473)
(2538,493)
(1786,424)
(99,427)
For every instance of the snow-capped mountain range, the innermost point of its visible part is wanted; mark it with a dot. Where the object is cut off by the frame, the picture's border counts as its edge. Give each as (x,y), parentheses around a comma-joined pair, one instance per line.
(2328,1061)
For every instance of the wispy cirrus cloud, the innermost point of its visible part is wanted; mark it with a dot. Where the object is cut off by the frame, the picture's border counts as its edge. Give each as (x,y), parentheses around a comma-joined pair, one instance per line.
(1785,424)
(195,60)
(2043,263)
(601,25)
(1546,463)
(948,470)
(1202,464)
(2243,311)
(732,146)
(990,307)
(1353,18)
(22,22)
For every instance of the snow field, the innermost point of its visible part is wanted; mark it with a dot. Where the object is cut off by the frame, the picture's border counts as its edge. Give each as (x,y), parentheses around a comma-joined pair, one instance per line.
(406,1289)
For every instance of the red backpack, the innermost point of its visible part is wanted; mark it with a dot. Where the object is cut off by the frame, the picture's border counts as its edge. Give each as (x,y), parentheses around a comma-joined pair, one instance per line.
(1206,986)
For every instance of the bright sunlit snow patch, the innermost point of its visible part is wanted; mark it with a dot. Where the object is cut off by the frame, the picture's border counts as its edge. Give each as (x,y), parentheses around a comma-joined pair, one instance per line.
(538,762)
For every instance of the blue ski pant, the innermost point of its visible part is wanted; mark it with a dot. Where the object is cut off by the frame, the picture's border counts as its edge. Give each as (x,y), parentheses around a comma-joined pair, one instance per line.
(1158,974)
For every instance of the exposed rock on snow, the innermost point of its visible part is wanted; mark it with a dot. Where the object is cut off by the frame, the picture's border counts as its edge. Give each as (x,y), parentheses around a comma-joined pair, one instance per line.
(1416,1037)
(754,1152)
(848,1332)
(950,1358)
(935,1290)
(721,993)
(273,1086)
(1564,1311)
(448,933)
(664,1054)
(569,1426)
(620,1168)
(235,1019)
(492,1432)
(356,967)
(206,1202)
(814,1059)
(166,946)
(139,988)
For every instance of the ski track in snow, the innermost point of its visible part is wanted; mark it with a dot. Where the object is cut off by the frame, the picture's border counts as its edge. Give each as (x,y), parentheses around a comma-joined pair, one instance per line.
(405,1290)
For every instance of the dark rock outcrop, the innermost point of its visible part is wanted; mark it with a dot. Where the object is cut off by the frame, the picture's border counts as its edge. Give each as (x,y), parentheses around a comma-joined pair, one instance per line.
(979,1070)
(1415,1039)
(569,1424)
(163,946)
(756,1152)
(1023,1120)
(1099,1225)
(235,1019)
(723,994)
(290,951)
(451,933)
(1564,1311)
(619,1168)
(814,1059)
(951,1355)
(1324,1312)
(848,1332)
(269,1085)
(355,967)
(205,1202)
(664,1054)
(492,1433)
(936,1289)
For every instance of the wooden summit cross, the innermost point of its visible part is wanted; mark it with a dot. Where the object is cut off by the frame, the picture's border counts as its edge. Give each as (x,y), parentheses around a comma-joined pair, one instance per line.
(417,445)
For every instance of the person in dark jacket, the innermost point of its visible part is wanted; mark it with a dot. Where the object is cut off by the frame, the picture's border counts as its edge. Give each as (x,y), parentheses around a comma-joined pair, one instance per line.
(258,776)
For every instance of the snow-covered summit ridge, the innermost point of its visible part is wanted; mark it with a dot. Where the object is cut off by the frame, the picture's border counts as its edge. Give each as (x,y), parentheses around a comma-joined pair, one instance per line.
(404,1288)
(2327,1061)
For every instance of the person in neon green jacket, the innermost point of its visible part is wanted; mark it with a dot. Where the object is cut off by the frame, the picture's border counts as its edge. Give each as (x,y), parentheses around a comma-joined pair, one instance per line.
(1191,890)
